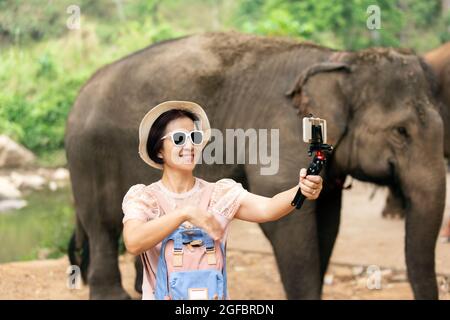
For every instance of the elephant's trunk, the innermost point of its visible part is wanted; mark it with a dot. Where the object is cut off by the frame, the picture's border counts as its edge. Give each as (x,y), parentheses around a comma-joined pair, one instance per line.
(424,191)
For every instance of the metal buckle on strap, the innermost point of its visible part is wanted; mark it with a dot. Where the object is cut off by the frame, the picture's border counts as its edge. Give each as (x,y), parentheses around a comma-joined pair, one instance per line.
(196,243)
(177,259)
(211,254)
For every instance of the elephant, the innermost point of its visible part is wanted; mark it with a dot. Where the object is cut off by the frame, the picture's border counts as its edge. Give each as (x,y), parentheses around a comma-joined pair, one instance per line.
(438,61)
(382,121)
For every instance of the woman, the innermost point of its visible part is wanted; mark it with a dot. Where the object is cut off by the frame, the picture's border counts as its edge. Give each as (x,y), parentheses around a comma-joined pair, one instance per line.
(172,136)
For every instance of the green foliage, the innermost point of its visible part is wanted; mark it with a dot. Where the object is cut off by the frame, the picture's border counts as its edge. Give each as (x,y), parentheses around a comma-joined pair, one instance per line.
(39,96)
(25,21)
(342,24)
(40,81)
(444,34)
(43,63)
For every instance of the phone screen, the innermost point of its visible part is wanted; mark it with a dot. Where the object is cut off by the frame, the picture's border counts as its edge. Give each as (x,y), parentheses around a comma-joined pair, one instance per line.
(308,123)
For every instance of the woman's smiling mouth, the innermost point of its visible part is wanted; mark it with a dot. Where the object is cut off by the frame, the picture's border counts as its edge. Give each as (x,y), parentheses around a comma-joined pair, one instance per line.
(187,157)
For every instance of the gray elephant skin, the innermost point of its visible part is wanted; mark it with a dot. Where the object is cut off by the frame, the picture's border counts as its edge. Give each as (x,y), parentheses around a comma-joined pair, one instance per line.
(438,67)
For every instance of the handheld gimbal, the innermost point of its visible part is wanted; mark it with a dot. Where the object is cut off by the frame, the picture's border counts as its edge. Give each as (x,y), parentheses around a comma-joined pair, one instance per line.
(314,133)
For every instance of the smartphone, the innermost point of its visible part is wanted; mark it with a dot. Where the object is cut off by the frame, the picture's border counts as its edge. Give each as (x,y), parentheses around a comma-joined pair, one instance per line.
(314,130)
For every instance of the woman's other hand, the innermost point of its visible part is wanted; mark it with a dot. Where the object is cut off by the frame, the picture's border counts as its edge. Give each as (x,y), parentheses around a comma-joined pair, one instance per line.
(204,220)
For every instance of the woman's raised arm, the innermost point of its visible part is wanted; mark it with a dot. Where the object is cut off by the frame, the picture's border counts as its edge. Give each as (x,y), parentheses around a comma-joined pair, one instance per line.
(256,208)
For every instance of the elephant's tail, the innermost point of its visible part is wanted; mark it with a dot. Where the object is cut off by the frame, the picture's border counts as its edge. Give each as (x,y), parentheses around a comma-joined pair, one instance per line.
(78,250)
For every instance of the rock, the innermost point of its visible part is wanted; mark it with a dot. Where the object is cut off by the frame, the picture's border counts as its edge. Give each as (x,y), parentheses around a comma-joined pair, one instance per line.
(31,181)
(61,174)
(8,190)
(328,279)
(361,283)
(53,186)
(444,284)
(12,154)
(399,277)
(342,272)
(44,172)
(34,182)
(387,273)
(358,270)
(12,204)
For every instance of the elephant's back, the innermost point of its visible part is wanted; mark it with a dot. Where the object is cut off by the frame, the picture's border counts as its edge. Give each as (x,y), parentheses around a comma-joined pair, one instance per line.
(124,86)
(191,68)
(161,69)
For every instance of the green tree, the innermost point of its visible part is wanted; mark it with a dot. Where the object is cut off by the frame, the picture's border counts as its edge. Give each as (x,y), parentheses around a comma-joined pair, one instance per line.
(343,24)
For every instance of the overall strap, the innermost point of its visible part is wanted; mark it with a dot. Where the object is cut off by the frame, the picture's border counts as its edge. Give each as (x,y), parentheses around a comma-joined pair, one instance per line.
(206,196)
(176,236)
(144,258)
(209,242)
(162,202)
(146,266)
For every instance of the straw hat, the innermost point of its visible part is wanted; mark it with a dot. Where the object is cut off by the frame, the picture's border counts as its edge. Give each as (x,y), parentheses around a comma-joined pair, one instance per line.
(155,112)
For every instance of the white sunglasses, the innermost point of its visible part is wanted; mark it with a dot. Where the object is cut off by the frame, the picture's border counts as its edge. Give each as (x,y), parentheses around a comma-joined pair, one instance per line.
(179,137)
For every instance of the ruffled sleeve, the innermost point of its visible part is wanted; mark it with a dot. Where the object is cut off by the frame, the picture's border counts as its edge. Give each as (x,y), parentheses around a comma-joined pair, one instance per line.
(138,203)
(226,197)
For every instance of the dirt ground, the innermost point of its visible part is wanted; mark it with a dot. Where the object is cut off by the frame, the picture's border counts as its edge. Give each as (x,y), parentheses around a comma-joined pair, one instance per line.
(367,263)
(252,275)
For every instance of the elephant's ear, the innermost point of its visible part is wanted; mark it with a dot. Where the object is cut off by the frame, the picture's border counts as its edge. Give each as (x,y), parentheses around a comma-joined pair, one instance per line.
(314,69)
(321,90)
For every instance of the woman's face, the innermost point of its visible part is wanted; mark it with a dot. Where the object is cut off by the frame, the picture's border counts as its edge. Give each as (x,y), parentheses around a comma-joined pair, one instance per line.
(180,157)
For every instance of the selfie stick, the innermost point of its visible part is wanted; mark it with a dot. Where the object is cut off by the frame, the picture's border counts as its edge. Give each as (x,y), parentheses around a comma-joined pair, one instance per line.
(316,145)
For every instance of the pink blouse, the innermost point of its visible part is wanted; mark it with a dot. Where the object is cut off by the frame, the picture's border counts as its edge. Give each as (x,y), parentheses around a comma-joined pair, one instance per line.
(139,204)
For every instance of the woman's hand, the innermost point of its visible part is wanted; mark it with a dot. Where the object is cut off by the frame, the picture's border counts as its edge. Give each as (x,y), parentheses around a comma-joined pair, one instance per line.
(140,236)
(310,185)
(204,220)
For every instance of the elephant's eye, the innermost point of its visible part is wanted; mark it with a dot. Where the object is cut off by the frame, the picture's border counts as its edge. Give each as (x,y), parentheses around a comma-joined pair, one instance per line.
(402,131)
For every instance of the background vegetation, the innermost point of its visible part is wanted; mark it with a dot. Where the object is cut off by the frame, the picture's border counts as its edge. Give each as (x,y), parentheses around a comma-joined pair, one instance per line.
(43,63)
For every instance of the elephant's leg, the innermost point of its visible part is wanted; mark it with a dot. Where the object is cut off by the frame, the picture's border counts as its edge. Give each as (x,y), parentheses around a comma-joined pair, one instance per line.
(104,275)
(294,240)
(328,215)
(394,207)
(139,276)
(99,212)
